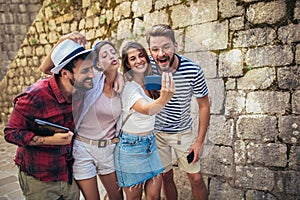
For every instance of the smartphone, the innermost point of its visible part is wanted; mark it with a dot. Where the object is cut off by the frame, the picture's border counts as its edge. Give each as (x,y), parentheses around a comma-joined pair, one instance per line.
(190,157)
(50,127)
(153,82)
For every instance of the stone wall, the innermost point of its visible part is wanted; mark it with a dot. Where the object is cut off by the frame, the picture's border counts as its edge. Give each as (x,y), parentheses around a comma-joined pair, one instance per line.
(16,16)
(250,53)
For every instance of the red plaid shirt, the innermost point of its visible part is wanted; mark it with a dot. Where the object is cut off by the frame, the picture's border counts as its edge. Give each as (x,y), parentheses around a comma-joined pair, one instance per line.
(42,100)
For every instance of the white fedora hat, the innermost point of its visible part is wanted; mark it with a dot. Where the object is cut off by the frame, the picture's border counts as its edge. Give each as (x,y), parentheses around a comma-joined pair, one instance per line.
(64,52)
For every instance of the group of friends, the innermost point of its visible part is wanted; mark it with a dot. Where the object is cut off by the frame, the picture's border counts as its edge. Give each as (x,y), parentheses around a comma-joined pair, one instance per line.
(119,131)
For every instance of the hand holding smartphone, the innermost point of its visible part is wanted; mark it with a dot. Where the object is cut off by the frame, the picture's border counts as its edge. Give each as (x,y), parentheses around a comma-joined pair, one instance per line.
(153,82)
(190,157)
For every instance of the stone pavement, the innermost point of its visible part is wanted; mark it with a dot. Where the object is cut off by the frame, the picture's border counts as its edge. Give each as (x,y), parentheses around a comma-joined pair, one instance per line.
(9,185)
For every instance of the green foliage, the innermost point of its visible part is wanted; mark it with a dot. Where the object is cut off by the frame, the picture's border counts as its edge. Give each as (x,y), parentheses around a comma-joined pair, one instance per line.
(103,19)
(33,40)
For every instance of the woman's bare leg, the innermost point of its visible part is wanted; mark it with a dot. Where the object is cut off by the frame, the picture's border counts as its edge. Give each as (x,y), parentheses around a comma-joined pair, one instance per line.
(89,188)
(109,182)
(153,188)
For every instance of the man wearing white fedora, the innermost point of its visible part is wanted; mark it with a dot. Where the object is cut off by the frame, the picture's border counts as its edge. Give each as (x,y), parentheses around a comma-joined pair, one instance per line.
(44,156)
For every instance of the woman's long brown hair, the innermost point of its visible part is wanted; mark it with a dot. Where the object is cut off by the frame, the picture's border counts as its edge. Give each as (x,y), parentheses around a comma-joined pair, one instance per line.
(127,72)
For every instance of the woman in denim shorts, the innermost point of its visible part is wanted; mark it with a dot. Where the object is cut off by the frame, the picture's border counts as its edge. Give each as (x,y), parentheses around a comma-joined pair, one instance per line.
(137,160)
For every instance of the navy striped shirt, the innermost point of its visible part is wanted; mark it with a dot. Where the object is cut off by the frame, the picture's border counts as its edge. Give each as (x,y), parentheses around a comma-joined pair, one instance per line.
(189,81)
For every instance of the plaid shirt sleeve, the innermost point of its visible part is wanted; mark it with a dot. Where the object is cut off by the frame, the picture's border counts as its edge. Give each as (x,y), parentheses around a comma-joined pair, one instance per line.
(18,129)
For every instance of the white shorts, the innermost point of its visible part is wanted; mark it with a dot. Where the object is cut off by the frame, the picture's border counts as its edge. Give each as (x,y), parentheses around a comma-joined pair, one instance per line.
(91,160)
(166,142)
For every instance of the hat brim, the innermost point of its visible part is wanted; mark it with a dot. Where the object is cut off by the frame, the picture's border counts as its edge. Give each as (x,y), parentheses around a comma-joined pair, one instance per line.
(56,69)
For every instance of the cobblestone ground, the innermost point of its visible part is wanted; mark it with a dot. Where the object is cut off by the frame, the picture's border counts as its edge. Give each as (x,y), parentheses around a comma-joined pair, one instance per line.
(9,185)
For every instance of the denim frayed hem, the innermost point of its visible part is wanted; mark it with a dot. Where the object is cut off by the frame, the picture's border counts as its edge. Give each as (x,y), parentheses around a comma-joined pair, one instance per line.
(125,182)
(142,184)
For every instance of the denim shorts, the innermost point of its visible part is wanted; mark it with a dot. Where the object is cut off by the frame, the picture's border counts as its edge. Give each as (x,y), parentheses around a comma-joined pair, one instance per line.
(137,159)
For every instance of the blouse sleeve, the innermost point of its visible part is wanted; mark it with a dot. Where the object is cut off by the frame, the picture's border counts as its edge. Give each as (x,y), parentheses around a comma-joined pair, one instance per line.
(131,94)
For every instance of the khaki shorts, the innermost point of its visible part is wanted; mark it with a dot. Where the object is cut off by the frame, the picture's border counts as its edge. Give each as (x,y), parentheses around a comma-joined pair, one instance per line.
(168,143)
(34,189)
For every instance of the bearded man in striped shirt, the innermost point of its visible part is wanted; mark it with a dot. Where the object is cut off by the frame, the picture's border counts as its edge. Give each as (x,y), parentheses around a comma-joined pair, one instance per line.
(173,124)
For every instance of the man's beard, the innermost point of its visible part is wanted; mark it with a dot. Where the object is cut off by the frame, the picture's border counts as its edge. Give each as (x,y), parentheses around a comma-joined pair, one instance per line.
(80,85)
(166,69)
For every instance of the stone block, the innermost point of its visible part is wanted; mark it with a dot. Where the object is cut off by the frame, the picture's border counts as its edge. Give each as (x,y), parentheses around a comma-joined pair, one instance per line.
(156,17)
(23,18)
(141,7)
(255,79)
(234,102)
(122,11)
(267,102)
(220,130)
(90,34)
(254,194)
(257,178)
(40,51)
(164,3)
(269,56)
(294,163)
(254,37)
(288,182)
(269,12)
(65,27)
(27,50)
(219,160)
(230,8)
(271,154)
(52,37)
(223,191)
(81,24)
(289,77)
(289,34)
(207,61)
(40,27)
(194,13)
(240,152)
(231,63)
(216,92)
(296,102)
(237,23)
(208,36)
(138,27)
(93,10)
(124,29)
(297,56)
(297,10)
(257,127)
(289,129)
(33,8)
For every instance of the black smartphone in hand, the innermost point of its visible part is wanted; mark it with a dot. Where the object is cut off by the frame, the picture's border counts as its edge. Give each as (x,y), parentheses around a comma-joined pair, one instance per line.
(190,157)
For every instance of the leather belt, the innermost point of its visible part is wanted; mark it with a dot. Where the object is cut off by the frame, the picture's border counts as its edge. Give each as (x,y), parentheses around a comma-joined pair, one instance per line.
(98,143)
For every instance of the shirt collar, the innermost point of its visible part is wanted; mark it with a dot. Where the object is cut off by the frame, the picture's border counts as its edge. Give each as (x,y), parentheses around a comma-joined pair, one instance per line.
(57,93)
